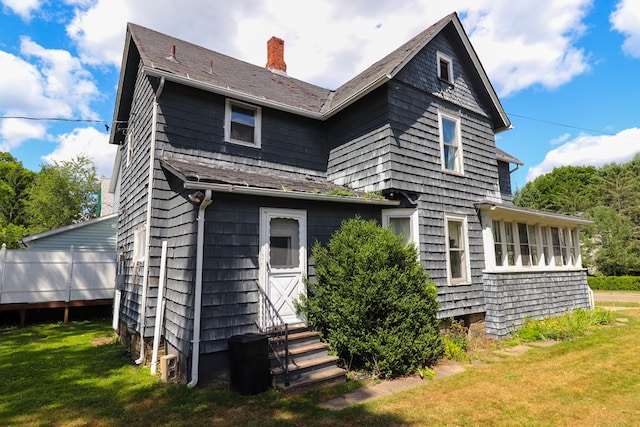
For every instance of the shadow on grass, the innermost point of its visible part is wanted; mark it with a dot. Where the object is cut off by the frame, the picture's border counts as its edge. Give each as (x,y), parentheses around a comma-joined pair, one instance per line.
(52,374)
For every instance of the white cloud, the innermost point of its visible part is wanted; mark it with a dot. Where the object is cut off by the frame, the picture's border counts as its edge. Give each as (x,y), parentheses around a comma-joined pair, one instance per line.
(526,45)
(64,78)
(328,42)
(14,131)
(53,84)
(590,151)
(626,20)
(87,141)
(559,140)
(22,8)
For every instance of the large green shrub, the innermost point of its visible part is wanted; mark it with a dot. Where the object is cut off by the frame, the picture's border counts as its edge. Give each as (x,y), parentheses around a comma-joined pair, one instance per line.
(614,283)
(373,301)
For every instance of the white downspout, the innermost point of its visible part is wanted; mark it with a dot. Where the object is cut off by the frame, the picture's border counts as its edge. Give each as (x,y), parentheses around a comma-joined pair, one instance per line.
(145,274)
(159,309)
(197,309)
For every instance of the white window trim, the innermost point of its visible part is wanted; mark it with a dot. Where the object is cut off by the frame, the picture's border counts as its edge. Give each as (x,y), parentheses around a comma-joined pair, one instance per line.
(458,161)
(412,214)
(465,238)
(441,56)
(229,103)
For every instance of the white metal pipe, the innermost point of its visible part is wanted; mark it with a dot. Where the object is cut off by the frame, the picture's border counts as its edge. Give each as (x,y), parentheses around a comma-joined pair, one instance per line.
(159,308)
(197,304)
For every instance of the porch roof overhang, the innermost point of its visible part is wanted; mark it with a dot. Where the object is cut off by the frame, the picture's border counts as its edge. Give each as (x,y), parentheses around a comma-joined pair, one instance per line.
(201,176)
(499,211)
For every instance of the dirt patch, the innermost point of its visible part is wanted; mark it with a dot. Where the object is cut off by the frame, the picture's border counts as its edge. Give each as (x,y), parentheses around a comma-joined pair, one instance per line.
(605,296)
(101,341)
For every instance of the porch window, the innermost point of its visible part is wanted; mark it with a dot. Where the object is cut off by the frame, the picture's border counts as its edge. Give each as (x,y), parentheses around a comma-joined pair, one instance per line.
(546,250)
(510,243)
(533,244)
(557,240)
(242,123)
(497,243)
(450,143)
(527,245)
(457,250)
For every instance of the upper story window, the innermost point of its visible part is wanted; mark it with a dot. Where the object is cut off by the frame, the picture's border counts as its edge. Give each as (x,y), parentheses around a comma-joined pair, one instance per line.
(458,267)
(242,123)
(450,143)
(445,67)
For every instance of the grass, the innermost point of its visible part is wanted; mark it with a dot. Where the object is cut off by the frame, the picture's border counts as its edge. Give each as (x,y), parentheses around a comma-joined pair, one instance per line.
(77,374)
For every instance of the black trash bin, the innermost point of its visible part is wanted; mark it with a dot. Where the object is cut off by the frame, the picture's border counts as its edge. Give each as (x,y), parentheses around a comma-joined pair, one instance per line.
(249,363)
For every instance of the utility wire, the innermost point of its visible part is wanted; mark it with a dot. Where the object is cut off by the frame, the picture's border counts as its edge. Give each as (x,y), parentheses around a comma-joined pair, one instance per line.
(58,119)
(561,124)
(106,125)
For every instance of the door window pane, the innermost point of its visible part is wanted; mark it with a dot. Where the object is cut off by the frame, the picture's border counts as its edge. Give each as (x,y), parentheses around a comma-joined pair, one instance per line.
(284,241)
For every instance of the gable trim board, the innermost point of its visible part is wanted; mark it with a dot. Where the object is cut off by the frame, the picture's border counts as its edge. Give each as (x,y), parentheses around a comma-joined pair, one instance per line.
(320,152)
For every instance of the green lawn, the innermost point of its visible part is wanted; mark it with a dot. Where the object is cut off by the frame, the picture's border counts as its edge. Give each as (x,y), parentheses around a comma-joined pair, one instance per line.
(66,375)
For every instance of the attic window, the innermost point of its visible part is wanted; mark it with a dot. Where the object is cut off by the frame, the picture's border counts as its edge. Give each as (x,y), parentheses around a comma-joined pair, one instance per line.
(445,67)
(242,123)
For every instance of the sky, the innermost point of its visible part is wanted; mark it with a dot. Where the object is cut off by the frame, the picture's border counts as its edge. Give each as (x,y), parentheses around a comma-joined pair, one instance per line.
(567,71)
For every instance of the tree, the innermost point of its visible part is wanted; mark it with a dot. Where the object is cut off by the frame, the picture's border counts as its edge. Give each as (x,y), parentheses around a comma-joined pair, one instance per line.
(608,244)
(64,193)
(15,181)
(567,189)
(373,300)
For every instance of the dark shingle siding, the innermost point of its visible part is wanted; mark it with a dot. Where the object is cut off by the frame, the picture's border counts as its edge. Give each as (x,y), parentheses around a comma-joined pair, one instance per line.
(133,196)
(192,124)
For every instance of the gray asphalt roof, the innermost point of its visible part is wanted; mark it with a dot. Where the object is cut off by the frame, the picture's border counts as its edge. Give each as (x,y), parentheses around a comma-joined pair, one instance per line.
(203,65)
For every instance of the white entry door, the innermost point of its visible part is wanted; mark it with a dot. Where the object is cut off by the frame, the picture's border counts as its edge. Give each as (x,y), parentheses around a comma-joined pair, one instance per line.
(283,260)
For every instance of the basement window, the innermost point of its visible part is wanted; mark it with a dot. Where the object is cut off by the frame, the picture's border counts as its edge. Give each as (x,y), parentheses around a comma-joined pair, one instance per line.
(242,123)
(444,64)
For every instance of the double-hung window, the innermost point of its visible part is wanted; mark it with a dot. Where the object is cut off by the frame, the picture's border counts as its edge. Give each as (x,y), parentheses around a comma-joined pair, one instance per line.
(450,143)
(242,124)
(458,267)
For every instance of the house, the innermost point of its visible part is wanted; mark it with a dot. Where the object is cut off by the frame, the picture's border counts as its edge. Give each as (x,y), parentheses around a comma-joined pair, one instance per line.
(228,172)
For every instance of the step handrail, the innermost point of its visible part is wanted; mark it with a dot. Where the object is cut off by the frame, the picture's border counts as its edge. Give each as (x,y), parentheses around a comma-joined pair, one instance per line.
(267,324)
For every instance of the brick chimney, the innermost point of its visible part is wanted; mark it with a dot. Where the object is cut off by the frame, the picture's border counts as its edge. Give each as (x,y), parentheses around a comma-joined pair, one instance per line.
(275,56)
